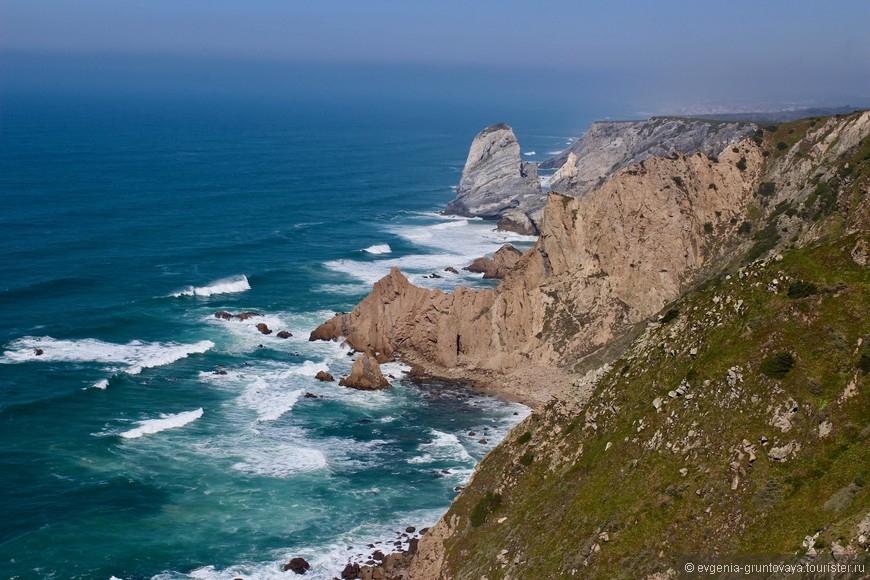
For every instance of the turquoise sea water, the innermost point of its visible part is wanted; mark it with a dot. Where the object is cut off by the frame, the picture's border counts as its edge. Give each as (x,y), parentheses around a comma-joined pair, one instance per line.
(150,439)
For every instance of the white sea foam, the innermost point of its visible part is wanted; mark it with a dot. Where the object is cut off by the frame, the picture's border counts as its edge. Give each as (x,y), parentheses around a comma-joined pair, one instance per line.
(456,241)
(269,401)
(443,447)
(553,152)
(165,422)
(529,153)
(101,384)
(134,356)
(223,286)
(326,561)
(379,249)
(279,459)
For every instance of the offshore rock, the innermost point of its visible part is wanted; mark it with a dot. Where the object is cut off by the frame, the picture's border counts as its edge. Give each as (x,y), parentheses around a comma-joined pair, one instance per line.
(365,374)
(495,179)
(503,261)
(610,146)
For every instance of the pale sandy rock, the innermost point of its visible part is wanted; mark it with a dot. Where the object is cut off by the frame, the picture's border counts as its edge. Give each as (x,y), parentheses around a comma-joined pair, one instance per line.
(609,146)
(601,264)
(365,374)
(503,261)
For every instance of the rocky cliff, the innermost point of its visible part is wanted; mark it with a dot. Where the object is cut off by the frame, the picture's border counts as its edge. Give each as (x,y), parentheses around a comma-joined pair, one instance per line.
(495,179)
(608,147)
(601,264)
(737,423)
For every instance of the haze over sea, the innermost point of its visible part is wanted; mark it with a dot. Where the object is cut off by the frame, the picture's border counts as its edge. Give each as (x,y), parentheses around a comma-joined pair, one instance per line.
(152,439)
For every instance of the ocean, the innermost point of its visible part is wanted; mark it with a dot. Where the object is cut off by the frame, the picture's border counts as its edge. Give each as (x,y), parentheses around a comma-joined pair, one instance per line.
(142,437)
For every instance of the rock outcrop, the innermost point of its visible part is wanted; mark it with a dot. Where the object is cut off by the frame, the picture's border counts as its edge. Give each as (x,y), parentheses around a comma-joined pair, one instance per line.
(503,261)
(602,263)
(495,180)
(365,375)
(610,146)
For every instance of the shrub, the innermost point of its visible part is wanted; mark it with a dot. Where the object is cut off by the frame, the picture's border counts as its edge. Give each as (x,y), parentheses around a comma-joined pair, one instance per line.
(524,438)
(487,504)
(741,165)
(708,227)
(766,188)
(801,289)
(670,315)
(782,145)
(745,227)
(777,365)
(864,362)
(527,459)
(678,180)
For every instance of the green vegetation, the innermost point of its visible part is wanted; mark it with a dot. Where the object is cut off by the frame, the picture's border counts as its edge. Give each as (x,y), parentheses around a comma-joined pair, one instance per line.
(777,365)
(708,227)
(524,438)
(741,165)
(576,487)
(801,289)
(487,505)
(766,188)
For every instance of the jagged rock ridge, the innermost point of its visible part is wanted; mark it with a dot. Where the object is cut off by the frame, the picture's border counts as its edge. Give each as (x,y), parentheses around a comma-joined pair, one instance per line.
(610,146)
(601,264)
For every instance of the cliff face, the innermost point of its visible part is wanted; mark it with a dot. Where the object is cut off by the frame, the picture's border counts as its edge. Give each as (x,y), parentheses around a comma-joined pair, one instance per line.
(610,146)
(601,264)
(495,179)
(738,424)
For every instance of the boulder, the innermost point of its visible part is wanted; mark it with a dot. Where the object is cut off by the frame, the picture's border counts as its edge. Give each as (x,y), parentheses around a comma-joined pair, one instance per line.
(324,376)
(451,269)
(297,565)
(350,572)
(263,328)
(223,314)
(365,375)
(503,261)
(284,334)
(38,352)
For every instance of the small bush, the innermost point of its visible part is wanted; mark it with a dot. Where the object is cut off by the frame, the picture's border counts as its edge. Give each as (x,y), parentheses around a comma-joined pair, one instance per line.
(777,365)
(741,165)
(708,228)
(864,362)
(678,180)
(527,459)
(745,227)
(670,315)
(766,188)
(524,438)
(782,145)
(801,289)
(487,504)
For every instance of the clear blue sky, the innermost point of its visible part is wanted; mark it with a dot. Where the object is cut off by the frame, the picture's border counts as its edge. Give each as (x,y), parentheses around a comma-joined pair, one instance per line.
(751,48)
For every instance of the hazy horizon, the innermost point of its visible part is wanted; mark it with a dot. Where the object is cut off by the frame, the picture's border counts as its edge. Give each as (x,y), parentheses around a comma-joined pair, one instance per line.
(672,56)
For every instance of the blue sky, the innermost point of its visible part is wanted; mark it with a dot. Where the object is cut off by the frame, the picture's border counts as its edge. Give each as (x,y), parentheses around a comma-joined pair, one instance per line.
(672,49)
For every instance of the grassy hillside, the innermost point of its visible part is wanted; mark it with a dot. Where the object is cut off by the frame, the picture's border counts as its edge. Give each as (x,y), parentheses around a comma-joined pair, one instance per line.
(737,424)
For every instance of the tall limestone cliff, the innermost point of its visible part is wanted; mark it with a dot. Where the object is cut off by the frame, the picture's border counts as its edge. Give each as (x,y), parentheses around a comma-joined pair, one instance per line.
(495,181)
(601,264)
(610,146)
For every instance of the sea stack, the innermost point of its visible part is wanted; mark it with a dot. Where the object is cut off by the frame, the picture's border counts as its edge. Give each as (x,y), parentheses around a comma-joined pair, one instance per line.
(365,375)
(496,181)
